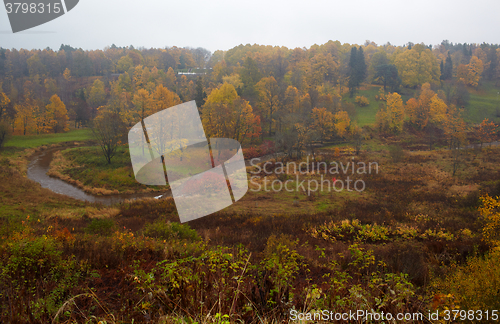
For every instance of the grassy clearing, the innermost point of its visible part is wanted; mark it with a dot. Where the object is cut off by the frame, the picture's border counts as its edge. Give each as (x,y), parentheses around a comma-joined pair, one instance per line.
(366,115)
(32,141)
(484,103)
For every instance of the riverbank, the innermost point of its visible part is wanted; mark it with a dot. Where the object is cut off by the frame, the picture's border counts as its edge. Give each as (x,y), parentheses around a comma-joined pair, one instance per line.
(85,168)
(19,157)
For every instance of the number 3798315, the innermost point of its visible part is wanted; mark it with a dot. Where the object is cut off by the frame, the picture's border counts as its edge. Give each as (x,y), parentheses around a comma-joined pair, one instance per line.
(24,7)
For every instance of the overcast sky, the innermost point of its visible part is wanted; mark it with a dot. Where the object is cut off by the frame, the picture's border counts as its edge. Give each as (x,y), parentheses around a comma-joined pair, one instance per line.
(223,24)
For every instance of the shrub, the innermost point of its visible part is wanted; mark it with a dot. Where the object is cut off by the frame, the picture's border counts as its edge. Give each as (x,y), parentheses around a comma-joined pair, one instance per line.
(362,101)
(102,226)
(472,286)
(35,278)
(381,95)
(167,230)
(251,153)
(490,211)
(197,281)
(282,260)
(475,285)
(266,148)
(354,231)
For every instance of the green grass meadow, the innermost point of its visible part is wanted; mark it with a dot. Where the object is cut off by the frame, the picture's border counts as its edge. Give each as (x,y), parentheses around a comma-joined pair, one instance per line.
(91,168)
(367,115)
(30,141)
(483,103)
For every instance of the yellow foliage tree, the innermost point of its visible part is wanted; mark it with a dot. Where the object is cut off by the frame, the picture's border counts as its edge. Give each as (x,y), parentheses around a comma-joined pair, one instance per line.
(142,107)
(120,101)
(40,118)
(454,127)
(141,76)
(268,90)
(57,115)
(24,117)
(392,118)
(323,68)
(163,98)
(290,110)
(323,122)
(185,89)
(381,95)
(291,103)
(357,136)
(233,79)
(170,79)
(411,109)
(4,101)
(381,120)
(342,123)
(490,211)
(437,110)
(428,108)
(225,114)
(96,96)
(25,111)
(67,75)
(417,66)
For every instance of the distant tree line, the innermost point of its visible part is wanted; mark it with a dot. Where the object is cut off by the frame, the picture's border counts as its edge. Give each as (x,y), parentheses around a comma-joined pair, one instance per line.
(248,92)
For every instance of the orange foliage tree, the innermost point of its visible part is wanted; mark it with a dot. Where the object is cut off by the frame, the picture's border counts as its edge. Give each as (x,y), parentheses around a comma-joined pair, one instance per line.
(427,109)
(486,131)
(471,73)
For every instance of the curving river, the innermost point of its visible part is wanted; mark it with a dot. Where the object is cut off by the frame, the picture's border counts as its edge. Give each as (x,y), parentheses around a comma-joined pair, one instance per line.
(39,166)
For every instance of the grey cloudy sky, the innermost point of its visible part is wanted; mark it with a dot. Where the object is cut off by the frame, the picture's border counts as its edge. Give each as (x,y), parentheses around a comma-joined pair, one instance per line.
(223,24)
